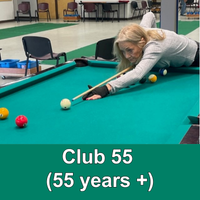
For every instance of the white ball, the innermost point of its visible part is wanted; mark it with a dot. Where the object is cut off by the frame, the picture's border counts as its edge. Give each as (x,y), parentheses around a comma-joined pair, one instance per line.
(65,104)
(164,72)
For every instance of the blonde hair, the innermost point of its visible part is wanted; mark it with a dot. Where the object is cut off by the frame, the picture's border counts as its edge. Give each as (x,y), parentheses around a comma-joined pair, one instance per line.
(138,36)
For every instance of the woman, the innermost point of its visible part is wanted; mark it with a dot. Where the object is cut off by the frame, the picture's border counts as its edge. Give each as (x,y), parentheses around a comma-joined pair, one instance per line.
(145,46)
(183,7)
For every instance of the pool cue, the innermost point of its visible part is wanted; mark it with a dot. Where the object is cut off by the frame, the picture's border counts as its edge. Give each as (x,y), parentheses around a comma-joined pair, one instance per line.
(100,84)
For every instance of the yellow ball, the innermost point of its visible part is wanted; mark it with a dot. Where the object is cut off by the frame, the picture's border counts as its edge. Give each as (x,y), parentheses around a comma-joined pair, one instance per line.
(4,113)
(152,78)
(65,104)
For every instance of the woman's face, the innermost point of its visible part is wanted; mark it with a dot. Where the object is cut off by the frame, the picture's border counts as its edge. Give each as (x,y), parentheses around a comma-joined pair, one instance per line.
(130,51)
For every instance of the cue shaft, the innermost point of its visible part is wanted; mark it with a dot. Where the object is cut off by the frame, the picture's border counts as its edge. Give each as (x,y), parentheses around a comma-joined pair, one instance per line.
(100,84)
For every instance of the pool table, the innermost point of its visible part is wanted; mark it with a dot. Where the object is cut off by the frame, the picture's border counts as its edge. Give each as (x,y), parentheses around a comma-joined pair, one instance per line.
(149,113)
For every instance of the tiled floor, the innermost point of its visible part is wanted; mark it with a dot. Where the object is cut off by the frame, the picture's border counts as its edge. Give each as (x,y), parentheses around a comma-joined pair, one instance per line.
(68,38)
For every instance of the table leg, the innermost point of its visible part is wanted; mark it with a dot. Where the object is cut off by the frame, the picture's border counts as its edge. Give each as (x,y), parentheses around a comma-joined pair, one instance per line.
(118,11)
(124,11)
(97,12)
(81,9)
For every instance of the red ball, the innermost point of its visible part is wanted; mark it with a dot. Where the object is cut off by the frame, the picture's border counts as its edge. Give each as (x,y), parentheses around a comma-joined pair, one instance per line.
(21,121)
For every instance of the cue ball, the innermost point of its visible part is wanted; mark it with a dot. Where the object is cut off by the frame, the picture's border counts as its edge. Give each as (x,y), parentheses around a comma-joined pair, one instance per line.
(152,78)
(21,121)
(4,113)
(65,104)
(162,72)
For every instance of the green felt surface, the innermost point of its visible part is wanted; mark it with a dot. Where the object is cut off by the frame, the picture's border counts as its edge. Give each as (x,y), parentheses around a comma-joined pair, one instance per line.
(31,28)
(142,114)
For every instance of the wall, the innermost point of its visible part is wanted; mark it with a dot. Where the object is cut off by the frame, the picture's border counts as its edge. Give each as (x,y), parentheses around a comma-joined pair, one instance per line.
(6,10)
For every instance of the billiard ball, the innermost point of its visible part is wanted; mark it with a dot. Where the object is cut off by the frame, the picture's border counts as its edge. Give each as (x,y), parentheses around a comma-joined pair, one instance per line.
(21,121)
(4,113)
(143,80)
(152,78)
(65,104)
(162,72)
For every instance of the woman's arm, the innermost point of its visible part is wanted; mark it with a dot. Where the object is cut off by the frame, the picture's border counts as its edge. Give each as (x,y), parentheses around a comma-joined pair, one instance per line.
(152,54)
(148,21)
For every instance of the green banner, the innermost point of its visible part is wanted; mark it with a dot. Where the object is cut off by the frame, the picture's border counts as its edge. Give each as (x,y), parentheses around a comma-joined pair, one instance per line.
(99,172)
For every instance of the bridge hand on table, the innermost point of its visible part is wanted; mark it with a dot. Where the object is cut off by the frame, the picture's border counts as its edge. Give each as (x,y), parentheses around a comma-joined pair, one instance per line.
(97,93)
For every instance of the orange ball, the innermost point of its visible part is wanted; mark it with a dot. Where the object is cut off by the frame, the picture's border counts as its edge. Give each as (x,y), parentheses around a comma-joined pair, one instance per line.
(152,78)
(4,113)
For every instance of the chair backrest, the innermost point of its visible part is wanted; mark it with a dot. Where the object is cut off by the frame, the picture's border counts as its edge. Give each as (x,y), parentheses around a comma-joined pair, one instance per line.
(26,2)
(197,4)
(37,46)
(24,8)
(150,3)
(134,4)
(104,49)
(43,6)
(89,7)
(107,7)
(189,2)
(72,6)
(144,4)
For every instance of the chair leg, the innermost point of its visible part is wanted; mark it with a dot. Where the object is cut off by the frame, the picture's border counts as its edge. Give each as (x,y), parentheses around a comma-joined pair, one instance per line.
(83,15)
(36,15)
(37,65)
(26,69)
(65,57)
(139,13)
(49,16)
(17,16)
(118,15)
(30,16)
(133,13)
(57,61)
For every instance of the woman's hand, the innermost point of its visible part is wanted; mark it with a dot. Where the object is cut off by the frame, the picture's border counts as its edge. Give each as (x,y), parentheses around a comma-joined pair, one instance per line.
(97,93)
